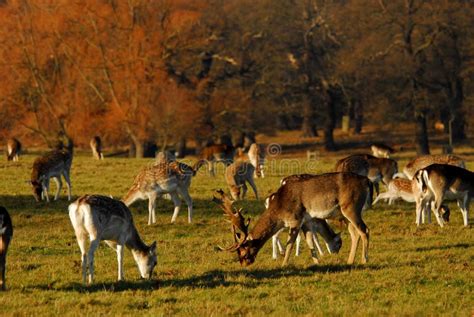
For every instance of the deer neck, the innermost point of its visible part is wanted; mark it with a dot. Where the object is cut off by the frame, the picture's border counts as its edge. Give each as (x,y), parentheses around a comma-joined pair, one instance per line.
(266,226)
(135,243)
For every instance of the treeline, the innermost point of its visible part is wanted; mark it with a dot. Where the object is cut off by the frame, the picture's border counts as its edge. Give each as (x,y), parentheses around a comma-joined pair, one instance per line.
(163,72)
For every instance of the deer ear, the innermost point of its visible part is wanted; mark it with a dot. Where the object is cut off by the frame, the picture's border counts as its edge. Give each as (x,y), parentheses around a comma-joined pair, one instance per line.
(153,247)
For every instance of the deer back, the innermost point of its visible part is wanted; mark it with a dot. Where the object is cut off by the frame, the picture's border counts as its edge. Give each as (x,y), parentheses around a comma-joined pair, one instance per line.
(426,160)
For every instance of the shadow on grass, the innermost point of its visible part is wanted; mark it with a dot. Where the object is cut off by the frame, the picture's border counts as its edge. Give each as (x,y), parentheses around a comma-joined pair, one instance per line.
(210,280)
(446,247)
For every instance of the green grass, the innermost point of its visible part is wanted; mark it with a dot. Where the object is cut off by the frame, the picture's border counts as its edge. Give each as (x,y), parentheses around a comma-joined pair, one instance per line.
(411,271)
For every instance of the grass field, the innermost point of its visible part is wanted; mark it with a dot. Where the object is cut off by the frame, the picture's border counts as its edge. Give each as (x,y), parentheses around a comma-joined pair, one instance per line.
(411,271)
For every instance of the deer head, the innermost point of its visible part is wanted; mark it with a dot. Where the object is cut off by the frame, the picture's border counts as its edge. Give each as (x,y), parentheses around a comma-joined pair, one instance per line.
(240,229)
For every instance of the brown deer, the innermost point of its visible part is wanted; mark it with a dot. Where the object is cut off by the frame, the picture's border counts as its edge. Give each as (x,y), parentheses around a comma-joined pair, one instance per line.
(214,153)
(381,150)
(96,146)
(354,164)
(325,196)
(51,165)
(13,149)
(237,175)
(159,179)
(426,160)
(6,234)
(100,218)
(438,181)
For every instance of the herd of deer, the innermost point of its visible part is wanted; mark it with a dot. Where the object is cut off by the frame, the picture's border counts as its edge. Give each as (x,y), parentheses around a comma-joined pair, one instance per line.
(303,203)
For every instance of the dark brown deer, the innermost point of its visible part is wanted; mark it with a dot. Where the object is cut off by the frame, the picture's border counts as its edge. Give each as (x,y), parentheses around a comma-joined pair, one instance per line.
(6,233)
(13,149)
(325,196)
(96,146)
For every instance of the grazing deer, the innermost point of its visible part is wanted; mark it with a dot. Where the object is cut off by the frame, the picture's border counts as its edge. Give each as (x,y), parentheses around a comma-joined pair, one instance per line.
(237,175)
(13,149)
(96,146)
(158,179)
(257,159)
(427,160)
(101,218)
(51,165)
(332,240)
(381,150)
(214,153)
(437,181)
(6,234)
(325,196)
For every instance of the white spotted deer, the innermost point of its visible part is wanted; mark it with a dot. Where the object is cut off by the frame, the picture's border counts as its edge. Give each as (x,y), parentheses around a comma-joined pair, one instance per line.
(159,179)
(6,234)
(51,165)
(325,196)
(237,175)
(96,146)
(426,160)
(99,218)
(438,182)
(257,159)
(401,188)
(13,149)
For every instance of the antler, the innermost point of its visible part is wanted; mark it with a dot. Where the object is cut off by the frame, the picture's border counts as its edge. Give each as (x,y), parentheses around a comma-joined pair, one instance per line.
(236,219)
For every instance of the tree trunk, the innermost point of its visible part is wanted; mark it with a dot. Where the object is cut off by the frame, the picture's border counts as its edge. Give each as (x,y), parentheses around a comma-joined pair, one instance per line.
(329,125)
(456,102)
(358,116)
(308,127)
(421,134)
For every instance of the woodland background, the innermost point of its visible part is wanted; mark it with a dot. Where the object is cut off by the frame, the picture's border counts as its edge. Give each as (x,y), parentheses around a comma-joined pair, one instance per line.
(142,72)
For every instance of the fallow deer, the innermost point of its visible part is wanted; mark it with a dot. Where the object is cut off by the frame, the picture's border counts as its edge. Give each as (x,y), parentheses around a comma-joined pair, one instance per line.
(325,196)
(257,159)
(96,146)
(426,160)
(405,189)
(214,153)
(99,218)
(332,240)
(51,165)
(437,181)
(13,149)
(381,150)
(159,179)
(6,234)
(237,175)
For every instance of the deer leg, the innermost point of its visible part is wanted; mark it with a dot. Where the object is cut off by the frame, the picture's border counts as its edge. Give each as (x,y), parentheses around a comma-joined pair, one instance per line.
(464,206)
(59,186)
(68,184)
(46,189)
(317,243)
(2,269)
(189,201)
(276,245)
(177,205)
(254,187)
(310,241)
(90,258)
(210,165)
(151,208)
(120,261)
(81,241)
(436,205)
(419,209)
(289,245)
(354,243)
(297,247)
